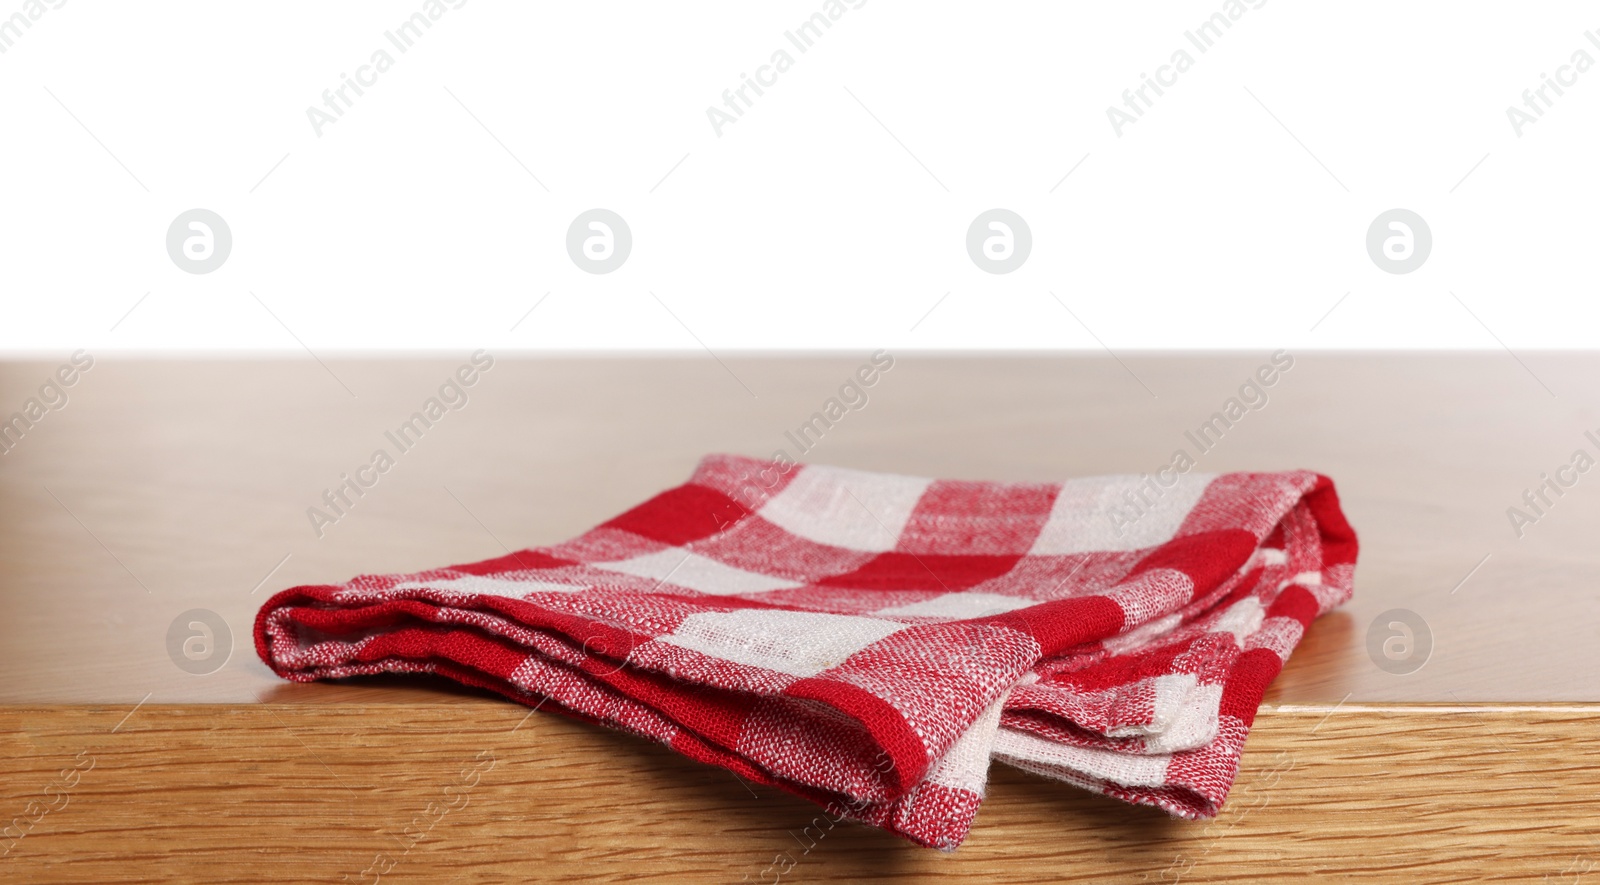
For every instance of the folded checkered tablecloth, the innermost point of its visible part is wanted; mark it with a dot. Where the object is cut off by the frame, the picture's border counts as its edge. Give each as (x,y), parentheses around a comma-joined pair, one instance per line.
(871,641)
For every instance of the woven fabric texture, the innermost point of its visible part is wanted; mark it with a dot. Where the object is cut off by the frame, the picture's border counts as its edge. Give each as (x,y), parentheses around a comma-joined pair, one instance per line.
(872,641)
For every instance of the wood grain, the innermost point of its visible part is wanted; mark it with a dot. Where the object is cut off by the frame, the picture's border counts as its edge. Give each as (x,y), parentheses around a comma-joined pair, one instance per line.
(293,793)
(170,485)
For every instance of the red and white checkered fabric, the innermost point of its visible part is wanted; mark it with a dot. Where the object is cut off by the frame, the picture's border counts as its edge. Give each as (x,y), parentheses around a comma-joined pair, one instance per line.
(871,641)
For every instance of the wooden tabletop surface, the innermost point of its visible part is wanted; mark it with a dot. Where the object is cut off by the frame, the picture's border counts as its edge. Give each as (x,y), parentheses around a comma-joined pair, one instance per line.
(162,487)
(165,491)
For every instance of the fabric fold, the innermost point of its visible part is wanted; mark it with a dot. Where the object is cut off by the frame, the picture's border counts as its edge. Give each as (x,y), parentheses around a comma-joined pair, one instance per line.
(871,641)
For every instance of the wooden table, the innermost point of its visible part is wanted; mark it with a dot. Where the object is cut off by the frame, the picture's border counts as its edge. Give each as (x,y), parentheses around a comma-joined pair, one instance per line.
(163,487)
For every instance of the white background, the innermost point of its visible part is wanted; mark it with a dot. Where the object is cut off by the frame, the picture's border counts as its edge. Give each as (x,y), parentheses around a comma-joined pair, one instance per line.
(832,215)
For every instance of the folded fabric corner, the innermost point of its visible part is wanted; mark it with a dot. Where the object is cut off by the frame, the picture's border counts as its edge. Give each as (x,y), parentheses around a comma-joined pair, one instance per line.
(871,641)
